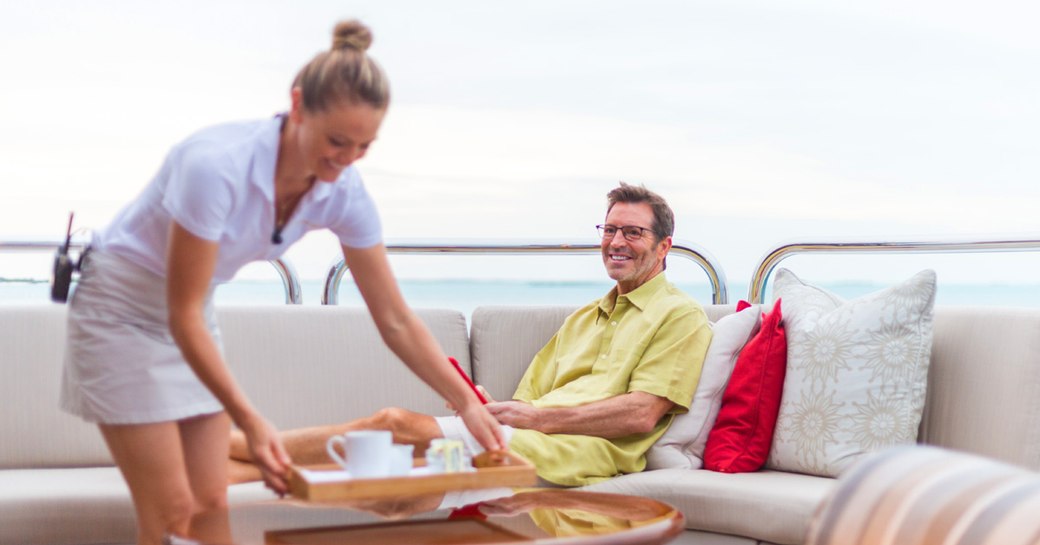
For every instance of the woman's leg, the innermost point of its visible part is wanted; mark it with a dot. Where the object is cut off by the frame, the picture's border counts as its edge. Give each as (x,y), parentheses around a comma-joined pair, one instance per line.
(205,443)
(205,440)
(151,459)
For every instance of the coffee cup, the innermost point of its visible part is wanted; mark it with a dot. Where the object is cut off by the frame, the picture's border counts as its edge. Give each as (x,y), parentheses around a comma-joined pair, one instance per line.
(366,453)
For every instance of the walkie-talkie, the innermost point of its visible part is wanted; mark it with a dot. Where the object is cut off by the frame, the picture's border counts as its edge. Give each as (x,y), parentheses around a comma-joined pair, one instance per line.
(61,277)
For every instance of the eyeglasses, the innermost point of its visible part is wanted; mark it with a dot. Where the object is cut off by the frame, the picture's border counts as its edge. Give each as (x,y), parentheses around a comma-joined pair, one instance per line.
(631,233)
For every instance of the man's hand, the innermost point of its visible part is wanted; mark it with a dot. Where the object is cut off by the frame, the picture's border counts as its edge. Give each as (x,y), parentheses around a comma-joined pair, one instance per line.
(518,414)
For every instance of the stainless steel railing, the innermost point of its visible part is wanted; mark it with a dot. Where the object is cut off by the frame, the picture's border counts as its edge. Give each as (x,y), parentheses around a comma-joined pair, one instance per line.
(759,280)
(682,249)
(286,271)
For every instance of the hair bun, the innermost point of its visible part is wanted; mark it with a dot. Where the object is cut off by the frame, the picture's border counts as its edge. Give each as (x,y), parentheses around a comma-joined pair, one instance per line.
(351,35)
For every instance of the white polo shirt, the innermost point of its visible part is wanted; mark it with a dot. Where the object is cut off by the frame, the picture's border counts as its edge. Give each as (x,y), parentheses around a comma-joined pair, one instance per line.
(219,185)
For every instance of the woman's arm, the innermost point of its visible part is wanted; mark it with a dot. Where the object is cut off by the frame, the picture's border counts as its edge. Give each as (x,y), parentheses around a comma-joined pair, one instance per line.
(411,341)
(190,264)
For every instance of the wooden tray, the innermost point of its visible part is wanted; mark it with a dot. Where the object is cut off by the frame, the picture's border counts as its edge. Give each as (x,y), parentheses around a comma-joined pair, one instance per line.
(493,469)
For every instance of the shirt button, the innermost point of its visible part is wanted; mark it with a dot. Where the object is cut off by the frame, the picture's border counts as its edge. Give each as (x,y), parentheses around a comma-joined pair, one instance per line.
(613,323)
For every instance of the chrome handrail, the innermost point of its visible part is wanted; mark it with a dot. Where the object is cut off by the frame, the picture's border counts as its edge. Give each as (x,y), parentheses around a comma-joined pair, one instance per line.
(772,258)
(17,246)
(290,280)
(700,256)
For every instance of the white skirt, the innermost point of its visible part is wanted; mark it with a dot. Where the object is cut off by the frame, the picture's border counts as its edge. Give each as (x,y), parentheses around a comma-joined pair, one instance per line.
(121,363)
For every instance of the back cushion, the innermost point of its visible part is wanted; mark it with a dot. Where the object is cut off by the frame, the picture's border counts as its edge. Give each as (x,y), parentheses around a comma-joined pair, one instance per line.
(304,365)
(299,365)
(984,383)
(504,339)
(35,432)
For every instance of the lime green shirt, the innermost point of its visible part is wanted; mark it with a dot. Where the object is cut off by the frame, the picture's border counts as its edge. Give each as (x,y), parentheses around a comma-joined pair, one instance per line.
(652,339)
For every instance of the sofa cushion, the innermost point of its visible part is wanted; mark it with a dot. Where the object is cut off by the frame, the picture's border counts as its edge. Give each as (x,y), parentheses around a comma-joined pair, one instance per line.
(767,505)
(682,446)
(64,506)
(504,339)
(79,505)
(36,433)
(856,372)
(984,383)
(743,431)
(303,365)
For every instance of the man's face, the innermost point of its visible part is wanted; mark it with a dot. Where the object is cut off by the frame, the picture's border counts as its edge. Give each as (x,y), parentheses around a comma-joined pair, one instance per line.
(633,262)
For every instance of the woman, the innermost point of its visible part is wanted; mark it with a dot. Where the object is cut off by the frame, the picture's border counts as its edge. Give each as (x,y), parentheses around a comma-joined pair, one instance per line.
(143,357)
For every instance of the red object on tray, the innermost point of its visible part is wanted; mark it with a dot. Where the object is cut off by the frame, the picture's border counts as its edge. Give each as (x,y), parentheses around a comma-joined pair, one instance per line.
(465,377)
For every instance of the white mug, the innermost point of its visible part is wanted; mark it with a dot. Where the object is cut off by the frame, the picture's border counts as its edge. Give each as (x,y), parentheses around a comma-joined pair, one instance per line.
(367,452)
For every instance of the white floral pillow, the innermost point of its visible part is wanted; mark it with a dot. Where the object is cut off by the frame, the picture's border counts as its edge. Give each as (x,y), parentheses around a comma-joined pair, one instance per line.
(856,372)
(682,446)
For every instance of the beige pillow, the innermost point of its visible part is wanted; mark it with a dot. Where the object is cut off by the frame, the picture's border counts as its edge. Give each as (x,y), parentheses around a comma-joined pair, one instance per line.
(856,372)
(682,446)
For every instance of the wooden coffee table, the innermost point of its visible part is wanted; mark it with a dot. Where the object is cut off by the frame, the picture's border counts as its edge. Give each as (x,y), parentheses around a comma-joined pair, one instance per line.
(520,516)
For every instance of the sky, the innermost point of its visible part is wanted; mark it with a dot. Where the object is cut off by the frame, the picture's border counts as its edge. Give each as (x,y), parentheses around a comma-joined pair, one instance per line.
(761,122)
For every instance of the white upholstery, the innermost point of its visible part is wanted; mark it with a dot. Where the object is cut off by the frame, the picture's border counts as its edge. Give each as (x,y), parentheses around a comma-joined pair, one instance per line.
(984,383)
(308,365)
(767,505)
(299,365)
(317,365)
(504,340)
(35,432)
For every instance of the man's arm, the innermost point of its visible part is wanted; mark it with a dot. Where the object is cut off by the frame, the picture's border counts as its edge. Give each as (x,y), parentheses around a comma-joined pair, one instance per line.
(618,416)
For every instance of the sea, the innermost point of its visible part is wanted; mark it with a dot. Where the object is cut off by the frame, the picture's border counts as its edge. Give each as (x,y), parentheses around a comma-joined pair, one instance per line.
(467,294)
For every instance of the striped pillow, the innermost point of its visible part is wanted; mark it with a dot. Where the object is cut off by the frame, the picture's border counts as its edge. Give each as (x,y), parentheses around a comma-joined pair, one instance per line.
(911,495)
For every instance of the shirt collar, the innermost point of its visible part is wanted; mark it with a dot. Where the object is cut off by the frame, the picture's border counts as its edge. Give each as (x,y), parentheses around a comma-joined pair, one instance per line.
(639,297)
(266,159)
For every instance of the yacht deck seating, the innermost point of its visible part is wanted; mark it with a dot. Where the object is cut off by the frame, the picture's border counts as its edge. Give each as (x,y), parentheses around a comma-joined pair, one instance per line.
(313,365)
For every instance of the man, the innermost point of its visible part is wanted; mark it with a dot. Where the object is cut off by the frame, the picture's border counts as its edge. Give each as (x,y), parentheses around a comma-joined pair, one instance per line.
(603,389)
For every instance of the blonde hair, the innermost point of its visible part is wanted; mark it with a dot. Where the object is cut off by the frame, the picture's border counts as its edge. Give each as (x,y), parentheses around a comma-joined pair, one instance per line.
(344,73)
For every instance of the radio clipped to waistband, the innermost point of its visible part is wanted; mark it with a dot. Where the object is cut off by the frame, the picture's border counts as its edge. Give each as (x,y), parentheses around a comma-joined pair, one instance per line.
(64,265)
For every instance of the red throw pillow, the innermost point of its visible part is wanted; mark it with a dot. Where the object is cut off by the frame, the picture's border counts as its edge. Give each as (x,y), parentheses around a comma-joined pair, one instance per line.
(743,432)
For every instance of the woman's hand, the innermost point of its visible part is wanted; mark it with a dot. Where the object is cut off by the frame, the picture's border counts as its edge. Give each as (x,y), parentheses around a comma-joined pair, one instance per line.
(480,389)
(482,425)
(268,453)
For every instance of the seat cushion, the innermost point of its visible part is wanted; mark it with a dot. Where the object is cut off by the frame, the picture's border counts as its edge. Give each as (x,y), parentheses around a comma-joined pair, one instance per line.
(766,505)
(59,506)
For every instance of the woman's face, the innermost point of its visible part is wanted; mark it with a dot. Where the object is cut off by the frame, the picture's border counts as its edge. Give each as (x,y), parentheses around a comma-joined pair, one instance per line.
(330,140)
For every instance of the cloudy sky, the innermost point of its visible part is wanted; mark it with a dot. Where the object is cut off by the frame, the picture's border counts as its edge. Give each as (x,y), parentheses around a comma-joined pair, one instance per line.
(761,122)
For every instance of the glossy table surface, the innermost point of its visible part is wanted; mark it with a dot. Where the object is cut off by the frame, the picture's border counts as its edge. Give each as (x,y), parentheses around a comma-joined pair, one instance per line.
(532,515)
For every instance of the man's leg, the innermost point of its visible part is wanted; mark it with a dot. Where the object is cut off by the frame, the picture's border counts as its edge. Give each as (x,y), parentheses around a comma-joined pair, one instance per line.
(307,445)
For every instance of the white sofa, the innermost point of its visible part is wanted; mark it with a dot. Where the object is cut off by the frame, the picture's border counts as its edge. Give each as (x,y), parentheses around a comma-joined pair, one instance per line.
(310,365)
